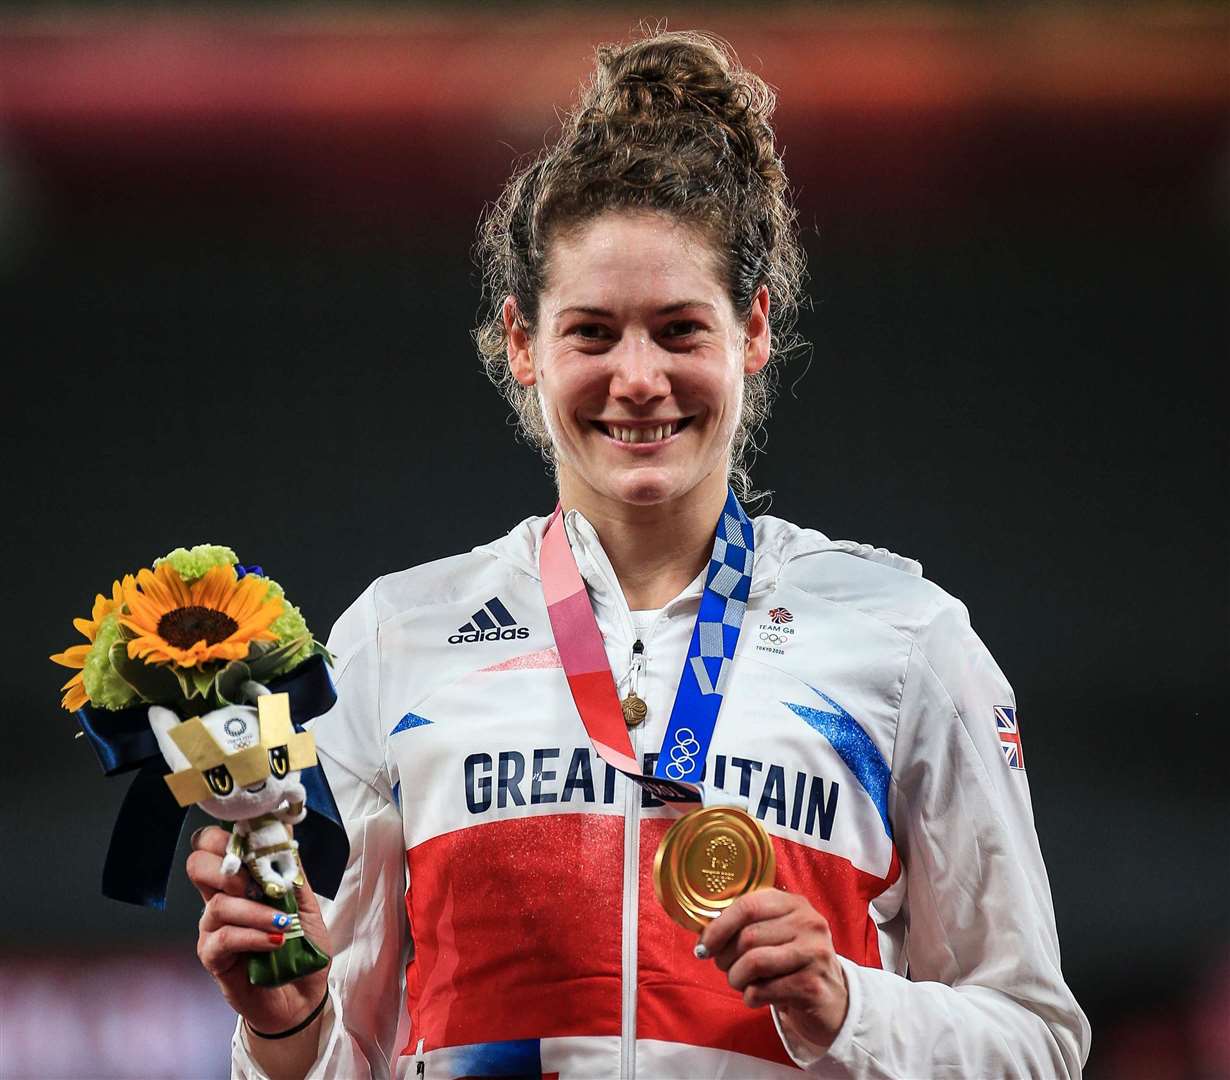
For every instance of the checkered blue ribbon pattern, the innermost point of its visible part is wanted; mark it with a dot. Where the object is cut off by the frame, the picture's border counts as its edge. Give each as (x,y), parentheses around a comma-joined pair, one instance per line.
(728,584)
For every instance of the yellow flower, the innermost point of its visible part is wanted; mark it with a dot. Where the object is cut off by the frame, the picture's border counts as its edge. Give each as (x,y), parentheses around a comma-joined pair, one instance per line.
(215,618)
(75,655)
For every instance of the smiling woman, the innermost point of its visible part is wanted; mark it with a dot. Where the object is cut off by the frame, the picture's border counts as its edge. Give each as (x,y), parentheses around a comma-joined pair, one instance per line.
(523,876)
(639,363)
(672,126)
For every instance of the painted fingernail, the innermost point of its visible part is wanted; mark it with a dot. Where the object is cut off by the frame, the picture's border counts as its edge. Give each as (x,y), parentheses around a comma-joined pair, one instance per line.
(276,939)
(280,921)
(700,952)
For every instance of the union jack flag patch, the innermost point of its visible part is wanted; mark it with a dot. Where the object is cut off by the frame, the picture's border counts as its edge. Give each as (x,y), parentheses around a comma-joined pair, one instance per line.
(1009,736)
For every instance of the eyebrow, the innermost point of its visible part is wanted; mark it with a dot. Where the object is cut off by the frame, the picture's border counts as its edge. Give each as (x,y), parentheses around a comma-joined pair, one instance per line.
(604,313)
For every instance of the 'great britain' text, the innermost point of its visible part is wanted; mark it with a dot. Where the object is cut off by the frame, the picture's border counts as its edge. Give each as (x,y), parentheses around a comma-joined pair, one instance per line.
(791,799)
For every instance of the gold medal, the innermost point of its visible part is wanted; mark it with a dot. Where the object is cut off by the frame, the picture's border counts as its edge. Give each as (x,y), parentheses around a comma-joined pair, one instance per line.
(707,860)
(635,710)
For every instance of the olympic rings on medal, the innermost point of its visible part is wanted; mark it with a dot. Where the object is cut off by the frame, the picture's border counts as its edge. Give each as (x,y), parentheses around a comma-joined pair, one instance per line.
(773,639)
(683,753)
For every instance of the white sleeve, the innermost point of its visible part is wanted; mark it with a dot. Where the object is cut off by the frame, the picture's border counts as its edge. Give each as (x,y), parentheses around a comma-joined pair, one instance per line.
(984,996)
(366,920)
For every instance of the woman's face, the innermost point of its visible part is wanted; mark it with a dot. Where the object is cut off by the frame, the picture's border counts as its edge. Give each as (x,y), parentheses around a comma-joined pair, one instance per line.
(638,359)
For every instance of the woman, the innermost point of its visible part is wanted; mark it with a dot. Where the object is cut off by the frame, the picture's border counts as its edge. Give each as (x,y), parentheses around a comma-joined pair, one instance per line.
(643,274)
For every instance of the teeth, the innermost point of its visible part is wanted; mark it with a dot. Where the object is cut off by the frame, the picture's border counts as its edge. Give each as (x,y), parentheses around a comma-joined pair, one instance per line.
(640,435)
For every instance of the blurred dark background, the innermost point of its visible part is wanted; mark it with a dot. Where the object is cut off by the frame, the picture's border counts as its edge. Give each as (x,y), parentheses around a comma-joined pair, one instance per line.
(235,304)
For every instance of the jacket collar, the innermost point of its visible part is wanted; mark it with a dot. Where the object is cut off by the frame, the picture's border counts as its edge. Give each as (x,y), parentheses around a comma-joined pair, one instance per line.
(778,542)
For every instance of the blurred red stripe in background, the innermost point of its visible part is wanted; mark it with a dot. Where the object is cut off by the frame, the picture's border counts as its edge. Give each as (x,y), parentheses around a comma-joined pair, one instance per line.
(395,116)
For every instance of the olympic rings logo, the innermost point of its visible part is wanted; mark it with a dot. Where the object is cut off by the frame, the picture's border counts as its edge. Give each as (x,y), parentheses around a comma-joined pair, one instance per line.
(682,754)
(773,639)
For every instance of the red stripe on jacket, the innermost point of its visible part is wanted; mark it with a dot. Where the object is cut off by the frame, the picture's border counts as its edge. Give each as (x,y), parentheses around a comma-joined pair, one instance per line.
(517,932)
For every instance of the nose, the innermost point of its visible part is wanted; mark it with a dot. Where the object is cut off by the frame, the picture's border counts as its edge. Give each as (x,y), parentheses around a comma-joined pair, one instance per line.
(639,369)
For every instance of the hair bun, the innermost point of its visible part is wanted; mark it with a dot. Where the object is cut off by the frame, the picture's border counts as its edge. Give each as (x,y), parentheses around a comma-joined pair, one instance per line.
(661,74)
(676,74)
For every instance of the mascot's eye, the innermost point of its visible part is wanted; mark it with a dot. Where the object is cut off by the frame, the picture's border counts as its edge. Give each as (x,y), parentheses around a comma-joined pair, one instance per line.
(279,761)
(219,780)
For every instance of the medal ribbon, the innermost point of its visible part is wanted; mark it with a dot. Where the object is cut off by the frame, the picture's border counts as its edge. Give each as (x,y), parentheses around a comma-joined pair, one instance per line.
(711,652)
(712,648)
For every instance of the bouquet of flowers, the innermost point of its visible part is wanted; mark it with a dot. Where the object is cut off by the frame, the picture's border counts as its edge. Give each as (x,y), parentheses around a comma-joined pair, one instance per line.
(203,667)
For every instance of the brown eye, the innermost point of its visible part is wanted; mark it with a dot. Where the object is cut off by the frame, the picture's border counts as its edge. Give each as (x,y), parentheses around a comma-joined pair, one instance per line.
(219,780)
(279,761)
(591,332)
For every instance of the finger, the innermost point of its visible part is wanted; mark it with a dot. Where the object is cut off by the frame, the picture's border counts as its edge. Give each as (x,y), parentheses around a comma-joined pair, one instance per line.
(305,895)
(310,916)
(755,906)
(210,838)
(766,964)
(777,931)
(205,872)
(799,988)
(223,910)
(222,949)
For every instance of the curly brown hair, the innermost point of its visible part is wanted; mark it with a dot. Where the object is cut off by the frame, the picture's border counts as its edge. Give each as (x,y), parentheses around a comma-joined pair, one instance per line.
(669,123)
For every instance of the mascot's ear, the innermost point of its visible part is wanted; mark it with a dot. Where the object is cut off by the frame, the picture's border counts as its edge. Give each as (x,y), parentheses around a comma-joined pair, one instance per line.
(162,721)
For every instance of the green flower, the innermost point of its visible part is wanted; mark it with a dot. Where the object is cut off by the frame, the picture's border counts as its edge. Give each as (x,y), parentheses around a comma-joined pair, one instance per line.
(193,563)
(104,686)
(289,626)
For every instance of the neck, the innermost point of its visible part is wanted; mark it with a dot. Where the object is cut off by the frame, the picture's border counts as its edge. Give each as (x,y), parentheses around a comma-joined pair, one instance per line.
(655,550)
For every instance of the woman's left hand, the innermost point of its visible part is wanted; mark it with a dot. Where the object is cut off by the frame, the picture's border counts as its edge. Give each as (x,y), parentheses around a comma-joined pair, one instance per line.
(776,949)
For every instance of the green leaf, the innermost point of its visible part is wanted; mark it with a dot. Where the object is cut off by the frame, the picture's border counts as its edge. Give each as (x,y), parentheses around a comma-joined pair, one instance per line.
(202,681)
(187,688)
(149,682)
(228,684)
(263,667)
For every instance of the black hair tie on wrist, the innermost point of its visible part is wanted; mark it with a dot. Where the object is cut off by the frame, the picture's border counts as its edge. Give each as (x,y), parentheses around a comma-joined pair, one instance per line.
(297,1028)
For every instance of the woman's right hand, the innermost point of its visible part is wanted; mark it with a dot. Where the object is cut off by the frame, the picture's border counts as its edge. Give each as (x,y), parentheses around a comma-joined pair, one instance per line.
(235,923)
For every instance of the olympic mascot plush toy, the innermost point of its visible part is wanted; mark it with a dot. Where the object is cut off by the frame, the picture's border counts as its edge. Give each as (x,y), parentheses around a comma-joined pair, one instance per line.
(202,664)
(241,765)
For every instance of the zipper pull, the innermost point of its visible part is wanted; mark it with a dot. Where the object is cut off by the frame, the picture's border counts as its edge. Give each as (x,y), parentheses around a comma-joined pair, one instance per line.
(638,664)
(634,707)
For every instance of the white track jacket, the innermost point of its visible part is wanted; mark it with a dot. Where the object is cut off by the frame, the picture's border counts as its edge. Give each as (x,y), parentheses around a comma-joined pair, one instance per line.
(497,917)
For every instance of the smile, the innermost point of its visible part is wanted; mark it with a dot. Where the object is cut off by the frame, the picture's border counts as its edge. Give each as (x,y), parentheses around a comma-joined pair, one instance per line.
(642,433)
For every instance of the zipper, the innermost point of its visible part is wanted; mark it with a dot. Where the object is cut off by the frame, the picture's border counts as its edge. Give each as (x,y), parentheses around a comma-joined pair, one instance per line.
(632,816)
(631,913)
(632,858)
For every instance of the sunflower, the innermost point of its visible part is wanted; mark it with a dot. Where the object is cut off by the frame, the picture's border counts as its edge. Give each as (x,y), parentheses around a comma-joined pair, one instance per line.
(217,617)
(75,655)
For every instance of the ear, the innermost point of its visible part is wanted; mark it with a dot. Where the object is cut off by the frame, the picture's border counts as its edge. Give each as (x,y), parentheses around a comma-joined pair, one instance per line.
(759,336)
(161,722)
(518,337)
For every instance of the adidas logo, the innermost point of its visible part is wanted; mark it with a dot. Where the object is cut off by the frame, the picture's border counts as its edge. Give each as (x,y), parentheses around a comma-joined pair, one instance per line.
(491,622)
